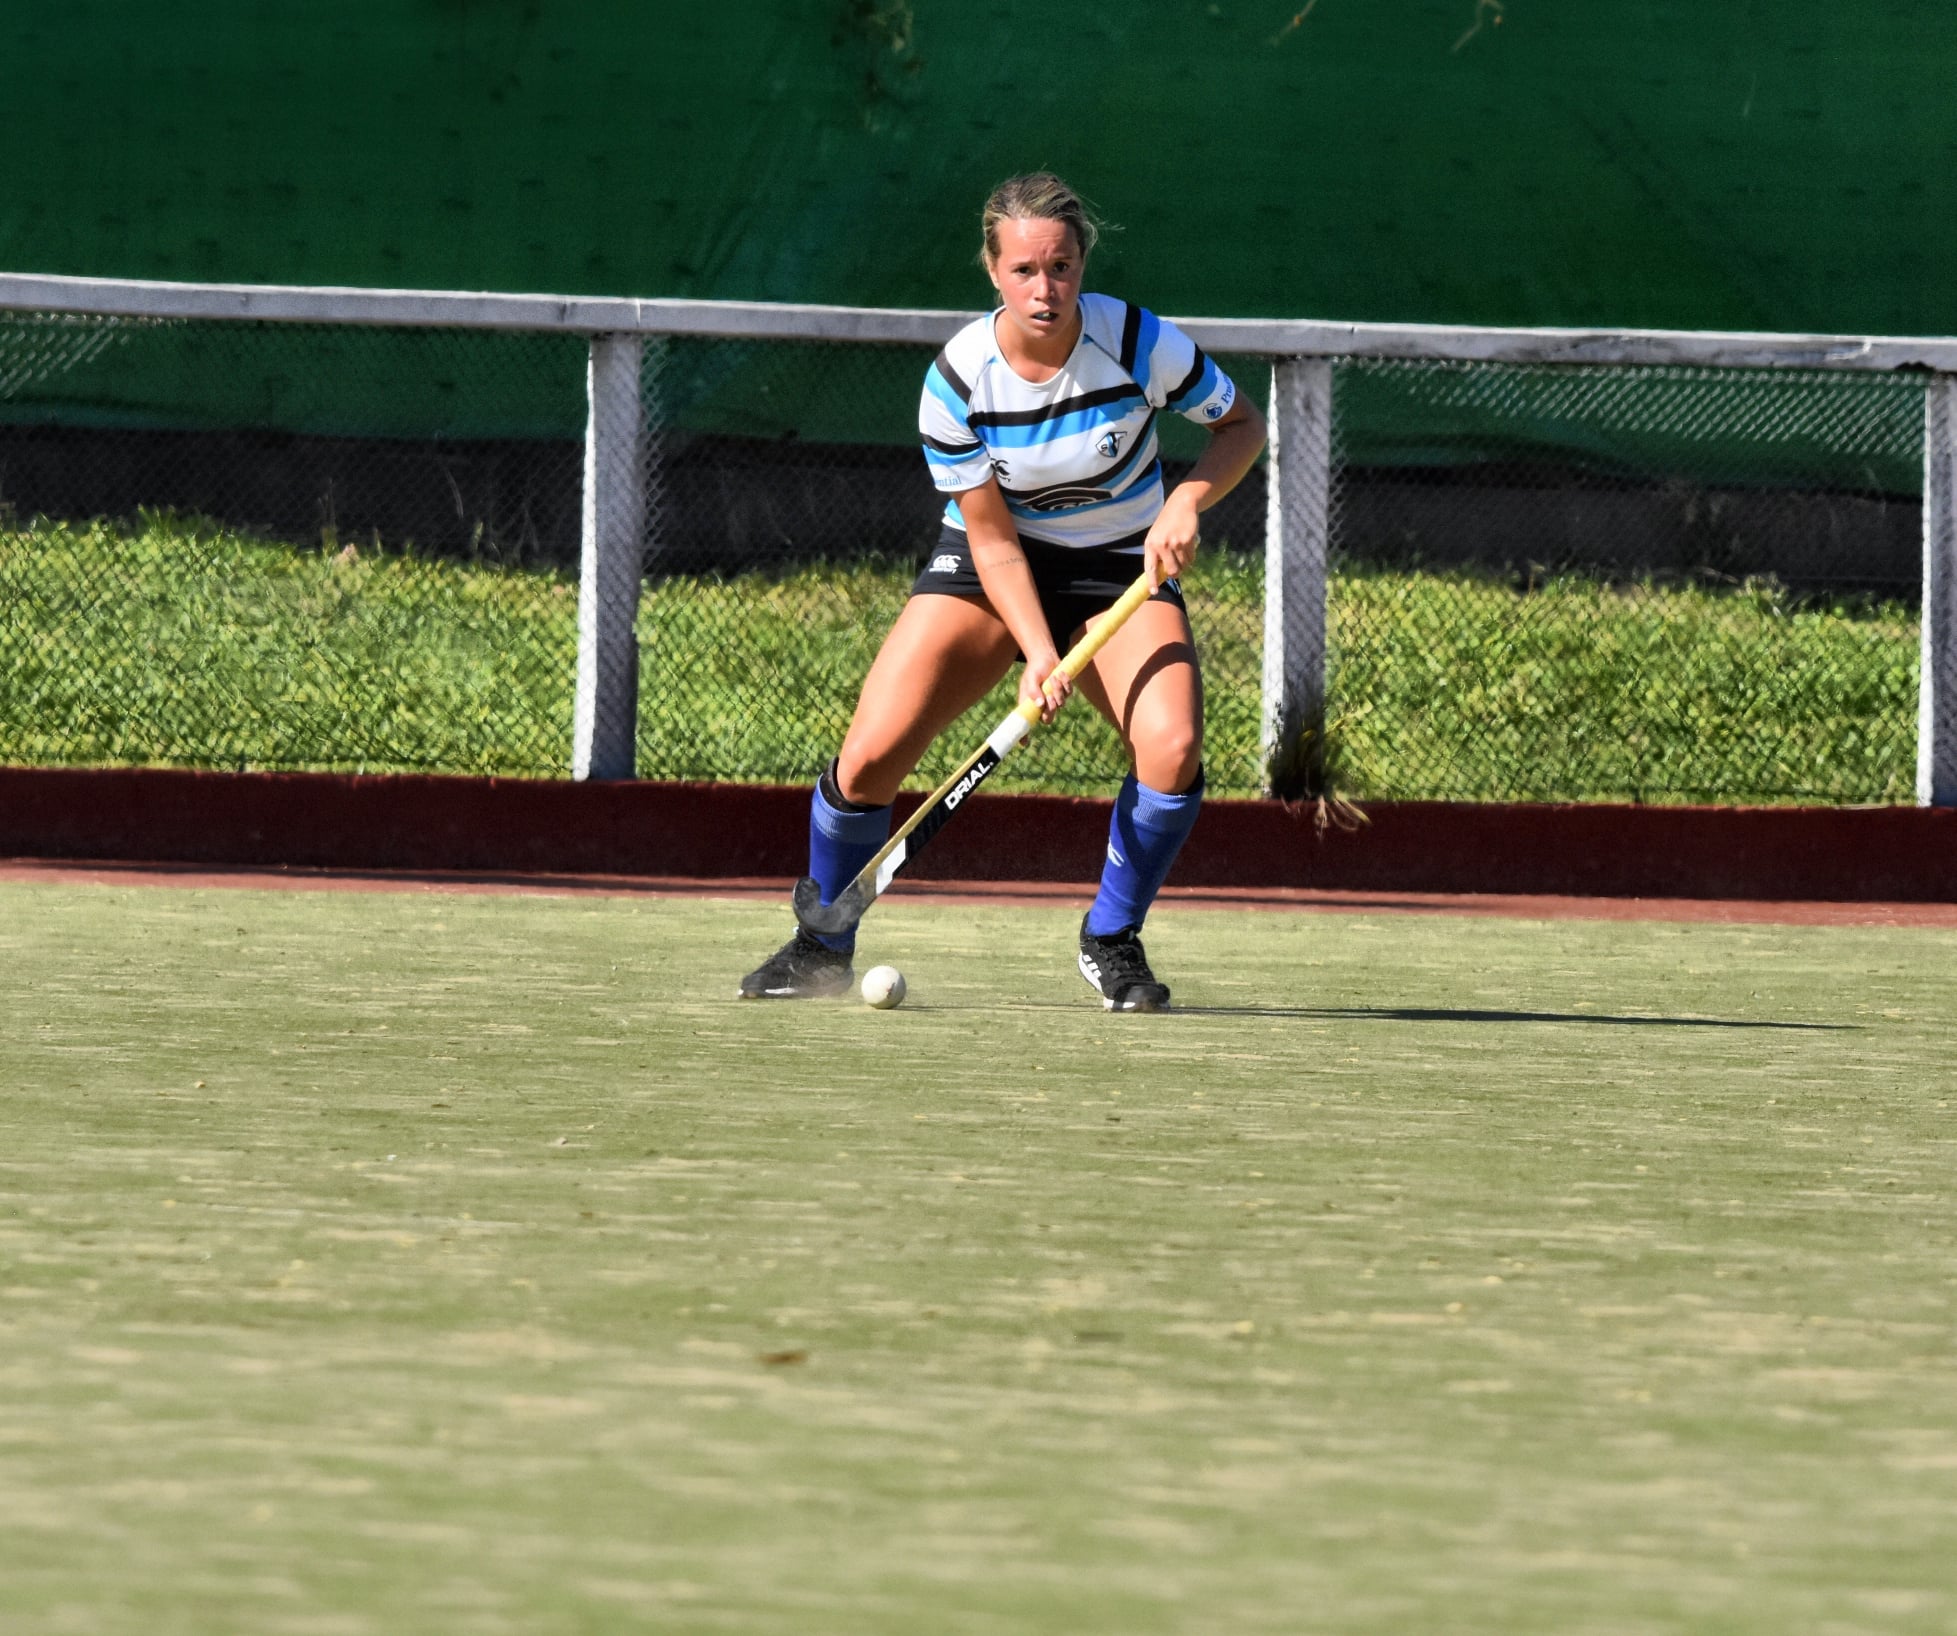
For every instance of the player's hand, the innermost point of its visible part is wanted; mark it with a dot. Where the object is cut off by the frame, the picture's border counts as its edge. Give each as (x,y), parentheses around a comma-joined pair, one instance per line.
(1171,544)
(1044,683)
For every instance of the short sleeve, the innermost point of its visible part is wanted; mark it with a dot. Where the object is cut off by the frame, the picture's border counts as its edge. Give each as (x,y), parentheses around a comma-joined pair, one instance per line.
(956,458)
(1190,383)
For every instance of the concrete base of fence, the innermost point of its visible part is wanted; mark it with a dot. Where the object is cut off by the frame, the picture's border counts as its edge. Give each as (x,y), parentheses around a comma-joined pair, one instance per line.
(708,831)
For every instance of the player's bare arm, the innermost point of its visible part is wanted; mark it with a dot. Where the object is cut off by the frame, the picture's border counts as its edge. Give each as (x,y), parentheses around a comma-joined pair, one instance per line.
(1008,582)
(1235,442)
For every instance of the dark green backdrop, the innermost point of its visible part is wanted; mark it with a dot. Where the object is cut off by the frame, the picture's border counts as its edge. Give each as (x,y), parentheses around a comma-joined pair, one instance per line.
(1726,163)
(1697,163)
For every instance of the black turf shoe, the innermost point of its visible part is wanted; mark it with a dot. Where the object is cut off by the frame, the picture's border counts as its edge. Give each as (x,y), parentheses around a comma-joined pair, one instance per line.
(1118,969)
(803,968)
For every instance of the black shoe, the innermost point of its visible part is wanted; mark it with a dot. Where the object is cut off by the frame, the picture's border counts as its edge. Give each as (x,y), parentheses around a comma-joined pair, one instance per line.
(1118,969)
(803,968)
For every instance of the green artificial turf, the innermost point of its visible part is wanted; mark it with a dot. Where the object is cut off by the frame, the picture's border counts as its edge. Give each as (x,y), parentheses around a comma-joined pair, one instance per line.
(403,1264)
(178,643)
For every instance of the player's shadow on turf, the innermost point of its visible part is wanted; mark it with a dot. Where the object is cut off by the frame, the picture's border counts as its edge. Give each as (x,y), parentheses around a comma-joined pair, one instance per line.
(1409,1013)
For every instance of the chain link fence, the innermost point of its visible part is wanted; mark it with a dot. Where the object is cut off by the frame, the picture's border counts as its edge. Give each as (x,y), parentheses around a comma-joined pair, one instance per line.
(349,547)
(1654,584)
(287,546)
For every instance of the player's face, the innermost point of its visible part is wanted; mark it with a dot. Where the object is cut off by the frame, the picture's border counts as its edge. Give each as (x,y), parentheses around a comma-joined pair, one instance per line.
(1037,274)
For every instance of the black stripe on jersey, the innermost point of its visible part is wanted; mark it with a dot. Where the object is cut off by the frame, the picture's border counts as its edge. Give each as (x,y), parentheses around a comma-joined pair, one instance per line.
(943,447)
(1053,411)
(1109,478)
(1191,380)
(1131,334)
(1112,477)
(1055,495)
(942,364)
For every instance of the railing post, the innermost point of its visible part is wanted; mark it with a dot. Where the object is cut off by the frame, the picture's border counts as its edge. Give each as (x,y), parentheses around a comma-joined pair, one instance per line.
(605,721)
(1296,544)
(1936,699)
(1936,710)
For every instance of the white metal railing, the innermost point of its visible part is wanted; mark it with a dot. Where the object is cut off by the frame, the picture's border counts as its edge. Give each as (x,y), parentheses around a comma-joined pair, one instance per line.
(1296,554)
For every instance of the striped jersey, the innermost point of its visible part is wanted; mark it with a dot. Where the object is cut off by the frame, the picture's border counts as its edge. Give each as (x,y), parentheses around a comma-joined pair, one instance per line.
(1075,456)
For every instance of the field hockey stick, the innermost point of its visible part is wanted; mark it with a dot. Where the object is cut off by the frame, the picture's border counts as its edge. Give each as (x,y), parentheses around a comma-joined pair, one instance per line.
(834,919)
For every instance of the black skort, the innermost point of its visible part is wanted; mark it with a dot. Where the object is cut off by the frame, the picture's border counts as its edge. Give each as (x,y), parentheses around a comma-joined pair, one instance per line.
(1074,582)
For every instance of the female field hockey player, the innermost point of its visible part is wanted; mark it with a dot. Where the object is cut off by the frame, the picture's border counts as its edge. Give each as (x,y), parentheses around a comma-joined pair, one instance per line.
(1038,422)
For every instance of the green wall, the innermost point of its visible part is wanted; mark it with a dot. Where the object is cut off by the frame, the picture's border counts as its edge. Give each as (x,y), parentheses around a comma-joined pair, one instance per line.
(1692,163)
(1790,165)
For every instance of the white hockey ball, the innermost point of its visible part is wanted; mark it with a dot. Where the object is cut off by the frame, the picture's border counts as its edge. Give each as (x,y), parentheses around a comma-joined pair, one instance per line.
(883,987)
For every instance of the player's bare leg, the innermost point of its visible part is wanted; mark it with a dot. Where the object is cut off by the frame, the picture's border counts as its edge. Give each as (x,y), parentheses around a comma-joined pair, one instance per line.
(1147,683)
(942,656)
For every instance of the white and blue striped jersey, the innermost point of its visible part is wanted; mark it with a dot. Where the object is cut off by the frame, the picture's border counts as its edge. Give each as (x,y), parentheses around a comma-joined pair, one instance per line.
(1076,456)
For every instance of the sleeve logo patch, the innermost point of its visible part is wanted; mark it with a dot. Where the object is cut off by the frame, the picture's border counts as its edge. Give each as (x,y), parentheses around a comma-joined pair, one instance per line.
(1220,408)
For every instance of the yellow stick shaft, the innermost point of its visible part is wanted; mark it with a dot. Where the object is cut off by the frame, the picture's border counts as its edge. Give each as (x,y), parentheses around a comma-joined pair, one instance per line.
(1081,654)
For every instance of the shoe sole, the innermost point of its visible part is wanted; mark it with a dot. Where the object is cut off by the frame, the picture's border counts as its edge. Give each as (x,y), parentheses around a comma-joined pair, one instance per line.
(793,993)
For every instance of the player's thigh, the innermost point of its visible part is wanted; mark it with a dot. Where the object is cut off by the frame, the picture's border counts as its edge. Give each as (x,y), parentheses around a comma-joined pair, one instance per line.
(942,656)
(1147,683)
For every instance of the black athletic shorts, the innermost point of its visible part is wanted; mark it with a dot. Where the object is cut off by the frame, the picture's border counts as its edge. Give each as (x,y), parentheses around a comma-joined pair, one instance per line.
(1074,582)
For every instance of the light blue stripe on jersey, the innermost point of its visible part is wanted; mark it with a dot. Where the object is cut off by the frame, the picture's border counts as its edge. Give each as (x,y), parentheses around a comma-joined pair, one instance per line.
(1145,450)
(940,388)
(1144,483)
(1071,425)
(1204,386)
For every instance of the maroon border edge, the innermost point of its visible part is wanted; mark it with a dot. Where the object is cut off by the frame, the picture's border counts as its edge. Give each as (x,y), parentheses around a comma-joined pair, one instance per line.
(719,831)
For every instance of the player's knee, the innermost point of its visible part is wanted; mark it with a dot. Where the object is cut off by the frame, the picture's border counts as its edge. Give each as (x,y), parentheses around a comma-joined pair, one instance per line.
(868,779)
(1171,760)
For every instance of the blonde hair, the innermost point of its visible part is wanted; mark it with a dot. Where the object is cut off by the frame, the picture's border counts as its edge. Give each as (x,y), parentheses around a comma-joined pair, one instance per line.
(1037,196)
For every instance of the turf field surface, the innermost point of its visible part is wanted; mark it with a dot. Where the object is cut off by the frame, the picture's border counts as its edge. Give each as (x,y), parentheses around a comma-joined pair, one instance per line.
(423,1263)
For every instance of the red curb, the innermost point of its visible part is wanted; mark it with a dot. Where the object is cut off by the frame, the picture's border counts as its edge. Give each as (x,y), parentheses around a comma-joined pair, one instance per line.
(718,831)
(1015,894)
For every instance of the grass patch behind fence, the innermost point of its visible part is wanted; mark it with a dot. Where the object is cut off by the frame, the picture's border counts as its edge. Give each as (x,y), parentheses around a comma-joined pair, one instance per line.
(179,643)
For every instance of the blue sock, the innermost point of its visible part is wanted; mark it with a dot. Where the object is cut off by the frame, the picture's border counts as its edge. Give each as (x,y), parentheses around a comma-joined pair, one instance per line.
(1144,836)
(842,839)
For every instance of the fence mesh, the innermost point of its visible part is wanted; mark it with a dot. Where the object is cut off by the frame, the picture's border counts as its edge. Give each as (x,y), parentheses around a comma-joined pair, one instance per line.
(1664,584)
(309,546)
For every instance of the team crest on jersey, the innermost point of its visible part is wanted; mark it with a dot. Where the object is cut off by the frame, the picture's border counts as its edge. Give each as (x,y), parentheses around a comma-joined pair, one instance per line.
(1110,446)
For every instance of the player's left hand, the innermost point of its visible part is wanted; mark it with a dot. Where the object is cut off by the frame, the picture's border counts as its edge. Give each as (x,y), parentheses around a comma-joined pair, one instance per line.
(1171,544)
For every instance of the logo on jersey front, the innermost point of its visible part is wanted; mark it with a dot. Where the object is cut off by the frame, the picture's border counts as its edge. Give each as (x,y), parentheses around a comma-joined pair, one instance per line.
(1063,497)
(1001,469)
(1110,446)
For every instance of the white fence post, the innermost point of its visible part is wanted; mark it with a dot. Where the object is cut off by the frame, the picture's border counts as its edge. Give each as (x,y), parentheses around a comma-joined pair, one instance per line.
(605,724)
(1936,719)
(1296,541)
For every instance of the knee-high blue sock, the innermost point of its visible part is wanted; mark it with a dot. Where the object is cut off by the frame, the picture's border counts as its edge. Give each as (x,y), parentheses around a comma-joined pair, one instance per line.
(1144,836)
(842,839)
